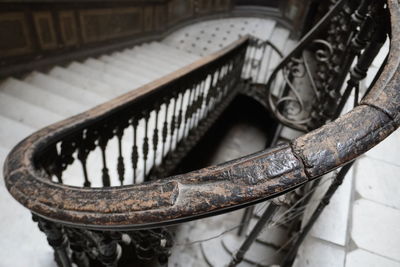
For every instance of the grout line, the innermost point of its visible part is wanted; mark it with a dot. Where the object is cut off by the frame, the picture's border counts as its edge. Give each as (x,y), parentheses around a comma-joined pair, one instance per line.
(327,242)
(380,255)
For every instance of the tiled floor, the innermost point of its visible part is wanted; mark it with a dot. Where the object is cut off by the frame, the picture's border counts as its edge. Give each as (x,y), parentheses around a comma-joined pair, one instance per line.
(361,225)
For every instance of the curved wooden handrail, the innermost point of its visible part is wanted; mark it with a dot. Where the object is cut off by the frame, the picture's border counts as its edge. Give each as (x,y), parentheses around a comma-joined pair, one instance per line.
(215,189)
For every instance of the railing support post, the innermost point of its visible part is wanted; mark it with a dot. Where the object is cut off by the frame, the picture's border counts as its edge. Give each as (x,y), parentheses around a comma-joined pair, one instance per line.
(338,180)
(56,239)
(266,217)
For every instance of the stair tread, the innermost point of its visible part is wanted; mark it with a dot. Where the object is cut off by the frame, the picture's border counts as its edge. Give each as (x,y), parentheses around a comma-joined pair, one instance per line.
(140,70)
(81,81)
(40,97)
(64,89)
(118,72)
(25,112)
(154,55)
(131,60)
(173,51)
(279,36)
(12,132)
(136,53)
(119,84)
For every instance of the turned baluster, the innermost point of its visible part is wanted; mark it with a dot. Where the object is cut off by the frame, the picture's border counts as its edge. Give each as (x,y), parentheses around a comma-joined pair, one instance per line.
(105,135)
(56,239)
(120,162)
(145,147)
(165,127)
(173,125)
(135,152)
(155,136)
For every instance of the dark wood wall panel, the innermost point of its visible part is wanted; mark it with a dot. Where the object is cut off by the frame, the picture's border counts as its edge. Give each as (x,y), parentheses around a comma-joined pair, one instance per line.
(45,31)
(14,35)
(35,34)
(206,6)
(105,24)
(35,29)
(179,10)
(68,28)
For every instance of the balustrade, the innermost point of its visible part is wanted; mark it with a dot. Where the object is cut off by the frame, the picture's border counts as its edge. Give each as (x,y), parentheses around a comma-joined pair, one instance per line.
(99,183)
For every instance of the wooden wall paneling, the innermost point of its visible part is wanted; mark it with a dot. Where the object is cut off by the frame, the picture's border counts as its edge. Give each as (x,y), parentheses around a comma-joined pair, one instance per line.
(160,17)
(14,35)
(68,28)
(148,18)
(179,10)
(109,23)
(44,26)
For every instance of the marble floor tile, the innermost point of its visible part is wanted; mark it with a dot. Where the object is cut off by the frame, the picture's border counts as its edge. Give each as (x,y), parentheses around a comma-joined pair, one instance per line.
(378,181)
(388,150)
(376,228)
(362,258)
(317,253)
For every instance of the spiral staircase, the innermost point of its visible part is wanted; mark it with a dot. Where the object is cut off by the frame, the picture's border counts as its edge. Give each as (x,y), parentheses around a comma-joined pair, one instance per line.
(101,134)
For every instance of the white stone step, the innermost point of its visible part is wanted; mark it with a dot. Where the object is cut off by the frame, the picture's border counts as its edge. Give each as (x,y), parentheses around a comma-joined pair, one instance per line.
(155,53)
(114,82)
(314,252)
(189,58)
(63,89)
(79,80)
(40,97)
(139,70)
(26,113)
(137,54)
(266,57)
(145,53)
(135,79)
(279,38)
(3,155)
(12,132)
(129,59)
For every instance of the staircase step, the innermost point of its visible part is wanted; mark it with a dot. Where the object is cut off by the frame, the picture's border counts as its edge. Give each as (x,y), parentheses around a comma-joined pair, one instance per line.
(26,113)
(82,81)
(137,54)
(279,38)
(135,79)
(63,89)
(120,85)
(189,58)
(155,54)
(3,155)
(129,59)
(40,97)
(134,68)
(12,132)
(266,60)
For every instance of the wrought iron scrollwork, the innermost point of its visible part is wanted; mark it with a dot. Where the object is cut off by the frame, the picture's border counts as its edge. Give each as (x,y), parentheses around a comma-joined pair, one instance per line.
(313,73)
